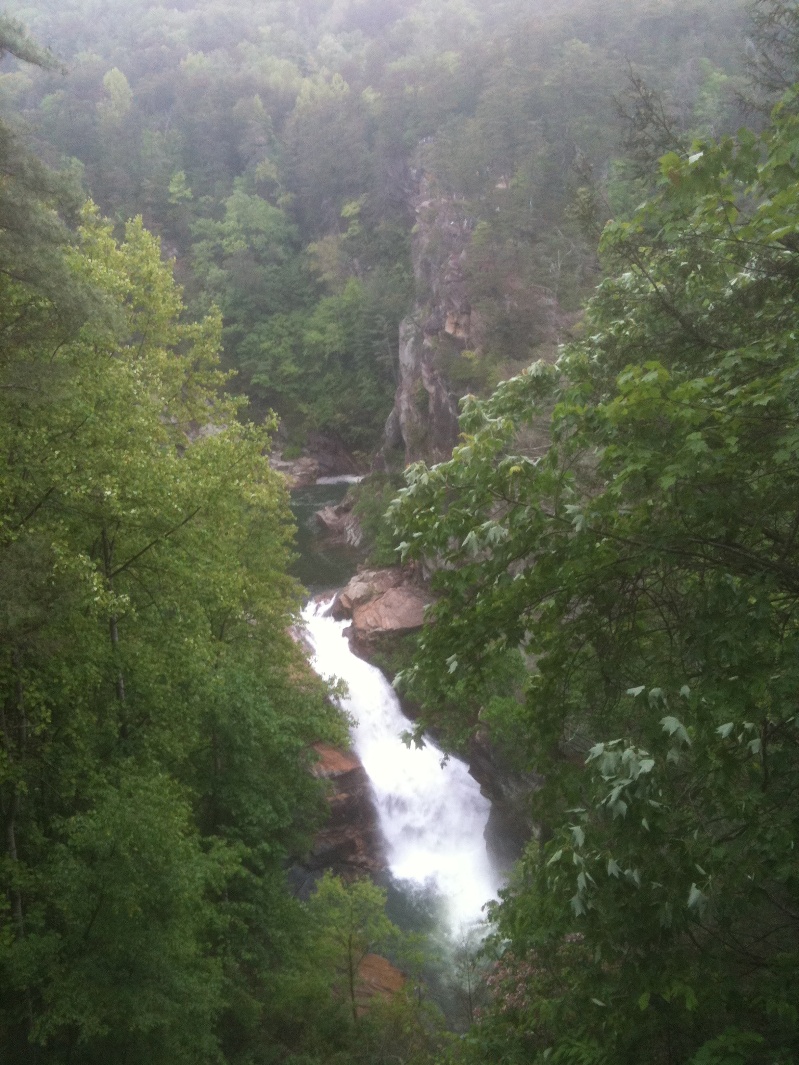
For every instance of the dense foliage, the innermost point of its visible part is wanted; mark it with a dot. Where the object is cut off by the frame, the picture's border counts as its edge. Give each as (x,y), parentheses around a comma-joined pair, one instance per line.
(614,541)
(155,714)
(279,150)
(640,551)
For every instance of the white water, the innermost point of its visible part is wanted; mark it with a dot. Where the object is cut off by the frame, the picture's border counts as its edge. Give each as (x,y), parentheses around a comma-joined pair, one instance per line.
(341,478)
(432,816)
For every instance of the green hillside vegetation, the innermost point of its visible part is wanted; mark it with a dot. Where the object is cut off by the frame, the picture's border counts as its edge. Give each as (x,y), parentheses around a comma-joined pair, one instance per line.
(275,147)
(155,714)
(642,564)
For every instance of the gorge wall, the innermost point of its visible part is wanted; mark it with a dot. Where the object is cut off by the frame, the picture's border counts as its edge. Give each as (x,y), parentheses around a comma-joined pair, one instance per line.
(447,332)
(424,419)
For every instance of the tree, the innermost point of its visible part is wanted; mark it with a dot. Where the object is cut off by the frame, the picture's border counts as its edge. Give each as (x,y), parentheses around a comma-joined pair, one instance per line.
(644,562)
(351,922)
(143,555)
(772,50)
(118,99)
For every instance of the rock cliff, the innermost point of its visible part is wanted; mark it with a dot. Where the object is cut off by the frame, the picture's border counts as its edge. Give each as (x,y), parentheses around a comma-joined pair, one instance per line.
(445,323)
(424,419)
(350,844)
(510,824)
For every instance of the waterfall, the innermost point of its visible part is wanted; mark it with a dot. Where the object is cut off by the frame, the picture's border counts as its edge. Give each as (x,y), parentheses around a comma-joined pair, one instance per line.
(431,811)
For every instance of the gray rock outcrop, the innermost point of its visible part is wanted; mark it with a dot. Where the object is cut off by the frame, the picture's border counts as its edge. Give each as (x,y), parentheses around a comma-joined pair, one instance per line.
(340,523)
(424,420)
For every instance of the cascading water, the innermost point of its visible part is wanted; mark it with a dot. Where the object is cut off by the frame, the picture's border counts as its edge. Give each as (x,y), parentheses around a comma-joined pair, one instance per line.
(432,814)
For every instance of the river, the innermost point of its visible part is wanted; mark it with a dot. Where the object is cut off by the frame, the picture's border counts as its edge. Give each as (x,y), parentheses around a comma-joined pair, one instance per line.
(431,812)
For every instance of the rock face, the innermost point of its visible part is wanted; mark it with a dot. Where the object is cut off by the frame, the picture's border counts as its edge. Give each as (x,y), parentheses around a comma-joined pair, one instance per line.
(350,844)
(510,826)
(377,978)
(424,420)
(444,324)
(382,604)
(340,523)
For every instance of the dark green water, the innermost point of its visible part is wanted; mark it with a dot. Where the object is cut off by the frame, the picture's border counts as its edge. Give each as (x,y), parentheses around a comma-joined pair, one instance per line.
(321,566)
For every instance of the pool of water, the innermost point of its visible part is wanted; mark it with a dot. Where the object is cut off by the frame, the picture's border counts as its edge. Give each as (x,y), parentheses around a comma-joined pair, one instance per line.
(321,566)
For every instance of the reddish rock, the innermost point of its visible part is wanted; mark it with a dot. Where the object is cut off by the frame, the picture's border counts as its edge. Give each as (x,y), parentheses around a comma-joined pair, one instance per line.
(365,586)
(397,610)
(350,844)
(333,762)
(382,604)
(377,978)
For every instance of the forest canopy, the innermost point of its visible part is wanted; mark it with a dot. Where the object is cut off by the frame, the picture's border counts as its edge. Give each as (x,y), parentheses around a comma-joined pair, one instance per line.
(282,151)
(155,729)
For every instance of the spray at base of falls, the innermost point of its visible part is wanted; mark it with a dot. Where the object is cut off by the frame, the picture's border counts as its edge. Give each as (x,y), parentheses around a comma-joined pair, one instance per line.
(431,811)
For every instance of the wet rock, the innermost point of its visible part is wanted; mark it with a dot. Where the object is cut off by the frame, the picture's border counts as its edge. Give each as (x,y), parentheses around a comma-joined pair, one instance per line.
(350,845)
(300,473)
(510,824)
(323,456)
(340,524)
(382,604)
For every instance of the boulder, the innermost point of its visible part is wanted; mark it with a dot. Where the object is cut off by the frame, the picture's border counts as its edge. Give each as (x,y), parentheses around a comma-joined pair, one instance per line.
(382,604)
(300,473)
(397,610)
(365,586)
(340,523)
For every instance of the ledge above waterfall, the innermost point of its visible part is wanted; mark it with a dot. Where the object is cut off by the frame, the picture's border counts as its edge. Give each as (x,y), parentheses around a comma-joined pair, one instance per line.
(381,604)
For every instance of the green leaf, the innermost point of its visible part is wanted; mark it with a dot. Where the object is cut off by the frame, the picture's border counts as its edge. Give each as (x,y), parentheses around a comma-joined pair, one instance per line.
(675,728)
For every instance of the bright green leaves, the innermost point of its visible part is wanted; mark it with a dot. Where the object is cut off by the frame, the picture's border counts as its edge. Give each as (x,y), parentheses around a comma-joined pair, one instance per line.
(155,723)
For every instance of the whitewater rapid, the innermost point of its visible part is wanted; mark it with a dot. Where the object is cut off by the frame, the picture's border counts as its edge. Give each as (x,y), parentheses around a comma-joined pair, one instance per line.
(431,812)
